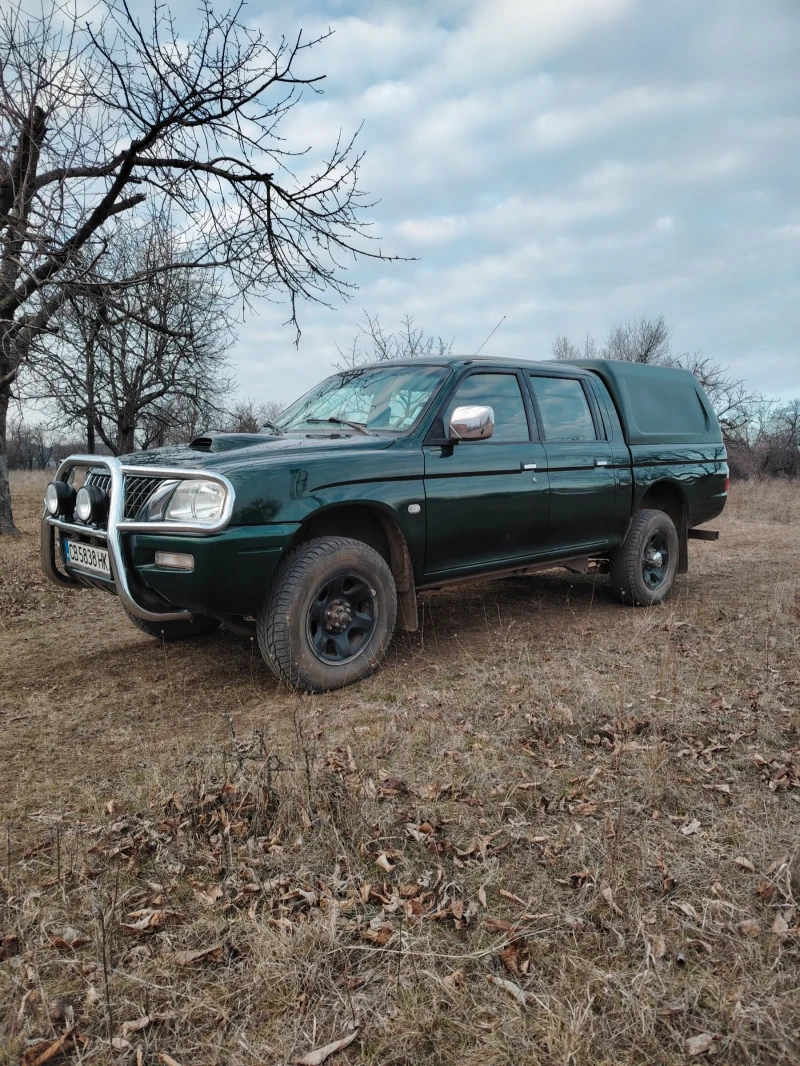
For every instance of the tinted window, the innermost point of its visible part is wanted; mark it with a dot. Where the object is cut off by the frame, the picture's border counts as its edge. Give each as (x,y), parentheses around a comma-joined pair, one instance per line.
(666,406)
(564,409)
(502,393)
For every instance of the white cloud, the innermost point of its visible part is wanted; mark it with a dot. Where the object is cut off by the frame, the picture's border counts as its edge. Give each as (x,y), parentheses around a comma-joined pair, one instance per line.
(564,162)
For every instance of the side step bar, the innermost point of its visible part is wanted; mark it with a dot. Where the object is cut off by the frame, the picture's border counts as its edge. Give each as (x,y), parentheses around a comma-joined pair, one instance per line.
(703,534)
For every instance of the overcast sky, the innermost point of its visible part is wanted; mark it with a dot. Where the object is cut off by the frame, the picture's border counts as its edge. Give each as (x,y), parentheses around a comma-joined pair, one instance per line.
(565,163)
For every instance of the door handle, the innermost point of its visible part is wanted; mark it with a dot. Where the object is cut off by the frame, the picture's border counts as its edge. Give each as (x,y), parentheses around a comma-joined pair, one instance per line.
(527,466)
(601,462)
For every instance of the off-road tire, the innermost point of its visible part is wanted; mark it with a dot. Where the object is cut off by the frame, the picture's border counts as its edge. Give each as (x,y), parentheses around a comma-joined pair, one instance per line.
(626,569)
(169,631)
(283,630)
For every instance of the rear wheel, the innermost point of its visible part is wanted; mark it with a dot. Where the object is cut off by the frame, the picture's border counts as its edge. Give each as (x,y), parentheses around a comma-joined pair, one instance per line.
(329,615)
(199,625)
(643,568)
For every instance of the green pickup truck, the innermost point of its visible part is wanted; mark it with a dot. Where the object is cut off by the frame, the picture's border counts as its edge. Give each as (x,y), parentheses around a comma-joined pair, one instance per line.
(317,532)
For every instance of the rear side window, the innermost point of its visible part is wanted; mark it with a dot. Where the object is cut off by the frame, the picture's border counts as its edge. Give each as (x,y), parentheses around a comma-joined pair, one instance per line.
(564,409)
(502,393)
(666,407)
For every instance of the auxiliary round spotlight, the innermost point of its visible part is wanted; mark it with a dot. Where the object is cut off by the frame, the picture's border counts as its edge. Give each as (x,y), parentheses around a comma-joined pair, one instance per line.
(91,503)
(59,498)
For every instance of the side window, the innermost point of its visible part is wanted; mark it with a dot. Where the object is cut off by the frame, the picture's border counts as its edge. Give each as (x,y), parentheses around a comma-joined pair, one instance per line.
(564,409)
(502,393)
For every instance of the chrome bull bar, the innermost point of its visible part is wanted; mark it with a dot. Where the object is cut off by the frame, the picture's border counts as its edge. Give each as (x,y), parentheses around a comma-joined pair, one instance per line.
(117,523)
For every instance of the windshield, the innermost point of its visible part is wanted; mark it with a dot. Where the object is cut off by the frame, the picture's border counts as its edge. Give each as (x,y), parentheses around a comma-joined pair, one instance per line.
(384,399)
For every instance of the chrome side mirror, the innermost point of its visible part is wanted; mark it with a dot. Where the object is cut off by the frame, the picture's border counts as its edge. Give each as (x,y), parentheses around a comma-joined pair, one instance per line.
(471,423)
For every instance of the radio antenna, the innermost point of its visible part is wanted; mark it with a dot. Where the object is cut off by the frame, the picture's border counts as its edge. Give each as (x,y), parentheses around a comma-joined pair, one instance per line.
(496,328)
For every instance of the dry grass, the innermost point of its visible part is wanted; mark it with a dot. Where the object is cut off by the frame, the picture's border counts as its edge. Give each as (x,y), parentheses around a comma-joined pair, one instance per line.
(597,805)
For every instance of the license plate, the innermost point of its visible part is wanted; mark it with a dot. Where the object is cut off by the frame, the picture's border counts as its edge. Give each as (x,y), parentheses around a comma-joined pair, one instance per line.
(87,557)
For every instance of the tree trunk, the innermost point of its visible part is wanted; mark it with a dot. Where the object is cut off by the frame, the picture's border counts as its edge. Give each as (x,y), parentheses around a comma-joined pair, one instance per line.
(90,437)
(125,441)
(6,516)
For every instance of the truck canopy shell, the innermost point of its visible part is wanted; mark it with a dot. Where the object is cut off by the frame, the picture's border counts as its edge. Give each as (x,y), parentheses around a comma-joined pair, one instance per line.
(657,404)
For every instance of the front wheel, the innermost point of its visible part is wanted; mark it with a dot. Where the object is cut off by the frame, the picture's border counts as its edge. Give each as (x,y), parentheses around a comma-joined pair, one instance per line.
(329,615)
(643,568)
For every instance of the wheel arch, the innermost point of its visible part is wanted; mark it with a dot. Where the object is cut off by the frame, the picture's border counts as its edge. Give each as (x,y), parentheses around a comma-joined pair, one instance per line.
(376,526)
(668,496)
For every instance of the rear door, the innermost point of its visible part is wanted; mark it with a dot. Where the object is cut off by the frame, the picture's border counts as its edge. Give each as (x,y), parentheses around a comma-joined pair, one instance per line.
(486,500)
(583,484)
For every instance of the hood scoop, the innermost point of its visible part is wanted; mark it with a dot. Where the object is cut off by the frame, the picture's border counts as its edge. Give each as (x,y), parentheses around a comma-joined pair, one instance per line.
(226,442)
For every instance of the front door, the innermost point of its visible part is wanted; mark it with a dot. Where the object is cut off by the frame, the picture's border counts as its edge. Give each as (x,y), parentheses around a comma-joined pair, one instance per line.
(583,485)
(486,501)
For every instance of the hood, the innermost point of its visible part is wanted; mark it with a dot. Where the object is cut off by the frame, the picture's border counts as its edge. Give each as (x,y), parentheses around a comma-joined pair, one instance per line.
(226,452)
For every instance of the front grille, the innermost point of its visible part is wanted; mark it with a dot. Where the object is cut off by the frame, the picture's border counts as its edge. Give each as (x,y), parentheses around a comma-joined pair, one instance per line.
(98,478)
(138,489)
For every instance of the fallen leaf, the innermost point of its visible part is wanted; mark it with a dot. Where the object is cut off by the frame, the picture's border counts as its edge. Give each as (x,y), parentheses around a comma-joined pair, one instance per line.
(700,1044)
(48,1049)
(750,927)
(497,925)
(608,896)
(514,898)
(690,828)
(454,979)
(383,861)
(149,918)
(509,957)
(119,1043)
(744,863)
(658,948)
(316,1058)
(481,898)
(513,990)
(208,954)
(380,936)
(134,1026)
(780,925)
(208,896)
(168,1059)
(688,910)
(69,939)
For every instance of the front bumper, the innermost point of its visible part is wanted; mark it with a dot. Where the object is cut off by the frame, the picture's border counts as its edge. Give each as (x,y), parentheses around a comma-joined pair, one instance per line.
(228,577)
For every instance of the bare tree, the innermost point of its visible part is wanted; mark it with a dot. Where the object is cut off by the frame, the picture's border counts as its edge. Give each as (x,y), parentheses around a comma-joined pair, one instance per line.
(247,416)
(563,348)
(98,116)
(373,344)
(30,446)
(116,353)
(640,340)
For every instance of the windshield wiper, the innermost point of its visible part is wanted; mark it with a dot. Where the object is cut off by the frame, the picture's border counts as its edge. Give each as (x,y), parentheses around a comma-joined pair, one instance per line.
(266,424)
(360,426)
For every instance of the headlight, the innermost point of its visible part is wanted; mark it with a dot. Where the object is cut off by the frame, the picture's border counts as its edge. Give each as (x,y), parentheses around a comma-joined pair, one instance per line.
(91,503)
(59,498)
(196,501)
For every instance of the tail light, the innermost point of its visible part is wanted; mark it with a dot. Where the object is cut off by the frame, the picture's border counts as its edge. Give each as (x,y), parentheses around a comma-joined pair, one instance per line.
(727,484)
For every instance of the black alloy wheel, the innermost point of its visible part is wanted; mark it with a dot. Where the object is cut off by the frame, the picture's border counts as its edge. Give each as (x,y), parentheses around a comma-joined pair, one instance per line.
(655,560)
(342,617)
(328,615)
(643,568)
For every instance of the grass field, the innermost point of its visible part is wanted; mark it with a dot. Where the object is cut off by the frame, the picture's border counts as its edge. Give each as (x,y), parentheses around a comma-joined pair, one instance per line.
(550,830)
